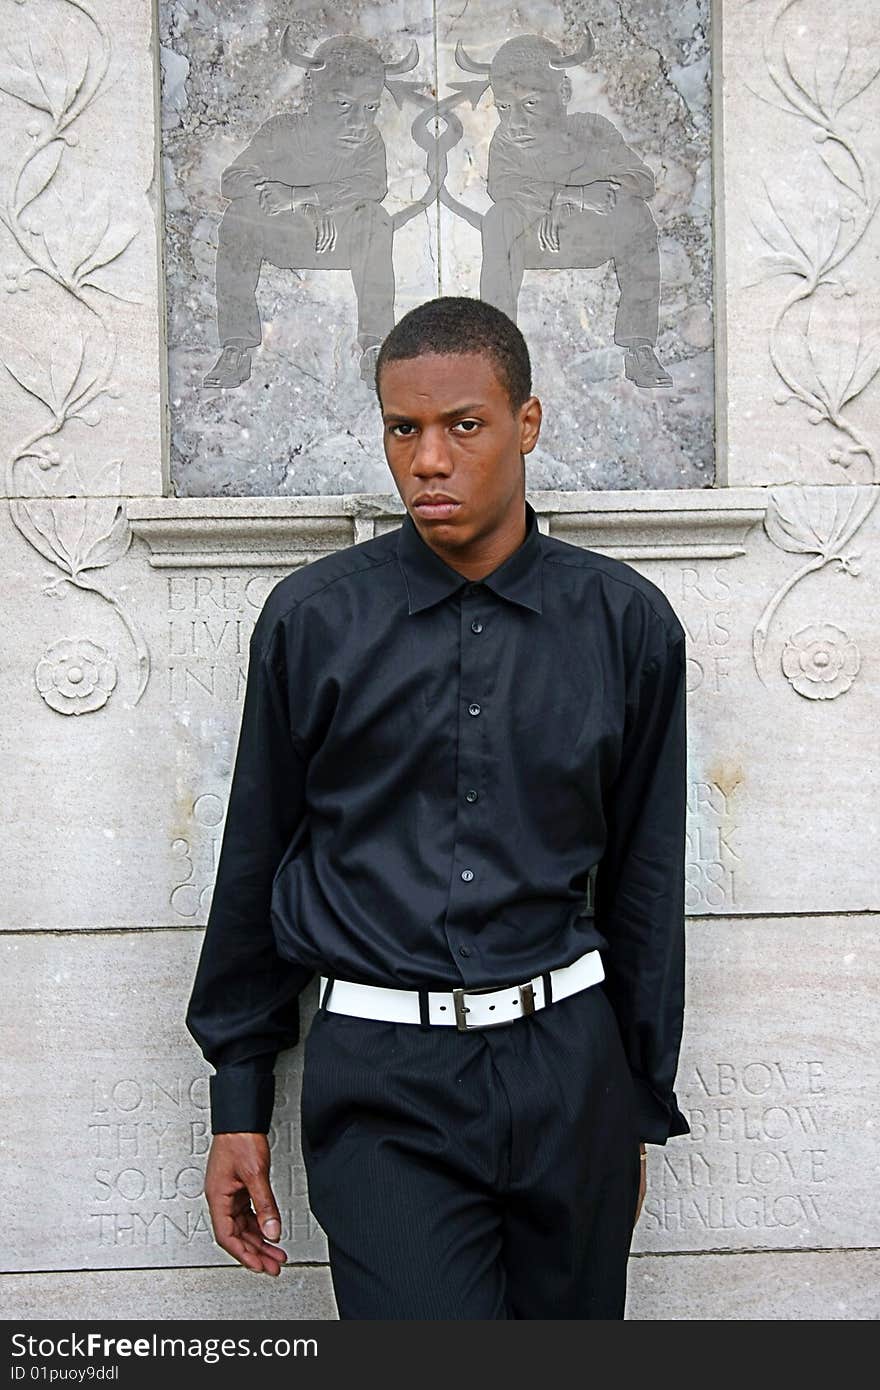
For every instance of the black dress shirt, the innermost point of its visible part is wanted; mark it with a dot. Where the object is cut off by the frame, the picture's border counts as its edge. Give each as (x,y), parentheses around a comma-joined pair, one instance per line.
(442,783)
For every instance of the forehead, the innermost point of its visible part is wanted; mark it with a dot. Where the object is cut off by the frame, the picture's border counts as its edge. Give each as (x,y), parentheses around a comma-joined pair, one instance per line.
(339,83)
(530,82)
(440,380)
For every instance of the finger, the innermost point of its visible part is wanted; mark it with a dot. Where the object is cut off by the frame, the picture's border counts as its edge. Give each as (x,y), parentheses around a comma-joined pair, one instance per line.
(237,1233)
(265,1208)
(259,1247)
(263,1255)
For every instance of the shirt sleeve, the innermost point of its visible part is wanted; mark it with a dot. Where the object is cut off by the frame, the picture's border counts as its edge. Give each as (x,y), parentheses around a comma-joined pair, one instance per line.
(639,889)
(244,1007)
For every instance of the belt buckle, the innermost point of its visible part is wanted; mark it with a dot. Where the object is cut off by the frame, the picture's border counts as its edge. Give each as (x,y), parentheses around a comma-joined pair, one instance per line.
(526,994)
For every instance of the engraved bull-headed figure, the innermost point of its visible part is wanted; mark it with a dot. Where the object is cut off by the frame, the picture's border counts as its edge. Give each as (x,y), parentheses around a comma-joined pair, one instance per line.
(567,192)
(306,193)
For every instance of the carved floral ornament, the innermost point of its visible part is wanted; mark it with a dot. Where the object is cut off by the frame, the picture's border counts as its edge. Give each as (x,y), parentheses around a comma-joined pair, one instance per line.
(819,347)
(820,661)
(53,63)
(75,676)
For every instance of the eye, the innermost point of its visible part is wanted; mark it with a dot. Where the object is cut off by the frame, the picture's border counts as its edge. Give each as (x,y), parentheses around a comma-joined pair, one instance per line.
(475,423)
(404,425)
(502,105)
(345,104)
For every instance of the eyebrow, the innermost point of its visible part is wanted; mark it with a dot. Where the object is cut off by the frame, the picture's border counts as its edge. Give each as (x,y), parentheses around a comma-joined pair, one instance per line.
(445,415)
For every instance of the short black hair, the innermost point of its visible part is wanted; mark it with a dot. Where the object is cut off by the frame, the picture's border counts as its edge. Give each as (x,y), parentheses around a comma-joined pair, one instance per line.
(455,324)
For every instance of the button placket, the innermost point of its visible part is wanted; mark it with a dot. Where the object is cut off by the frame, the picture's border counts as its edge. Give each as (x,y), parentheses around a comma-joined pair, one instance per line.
(471,662)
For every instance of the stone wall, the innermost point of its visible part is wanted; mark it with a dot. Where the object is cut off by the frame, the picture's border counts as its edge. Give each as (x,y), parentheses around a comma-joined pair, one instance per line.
(146,519)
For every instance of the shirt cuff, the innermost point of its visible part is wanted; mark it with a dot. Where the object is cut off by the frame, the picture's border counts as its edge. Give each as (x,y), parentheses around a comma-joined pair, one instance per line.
(658,1119)
(242,1099)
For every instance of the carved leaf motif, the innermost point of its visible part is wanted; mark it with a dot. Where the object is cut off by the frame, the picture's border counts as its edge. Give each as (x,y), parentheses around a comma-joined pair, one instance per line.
(80,534)
(770,227)
(826,219)
(65,361)
(866,369)
(76,56)
(860,72)
(38,172)
(838,160)
(793,350)
(18,79)
(777,263)
(110,533)
(111,247)
(30,374)
(49,64)
(834,337)
(88,229)
(830,63)
(816,520)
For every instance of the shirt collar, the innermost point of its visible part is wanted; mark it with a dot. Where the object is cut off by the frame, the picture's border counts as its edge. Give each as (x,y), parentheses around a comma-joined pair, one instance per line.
(429,579)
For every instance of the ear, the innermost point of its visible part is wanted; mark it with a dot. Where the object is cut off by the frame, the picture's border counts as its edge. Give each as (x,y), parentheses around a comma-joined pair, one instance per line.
(530,416)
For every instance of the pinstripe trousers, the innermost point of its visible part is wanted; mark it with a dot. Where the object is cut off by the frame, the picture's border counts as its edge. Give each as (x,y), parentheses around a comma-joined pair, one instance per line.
(492,1173)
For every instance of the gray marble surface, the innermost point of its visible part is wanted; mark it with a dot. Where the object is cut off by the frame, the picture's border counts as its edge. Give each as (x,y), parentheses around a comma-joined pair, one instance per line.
(237,91)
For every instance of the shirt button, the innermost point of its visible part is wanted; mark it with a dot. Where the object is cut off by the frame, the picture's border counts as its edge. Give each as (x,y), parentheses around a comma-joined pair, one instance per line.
(471,795)
(476,625)
(467,875)
(473,709)
(464,950)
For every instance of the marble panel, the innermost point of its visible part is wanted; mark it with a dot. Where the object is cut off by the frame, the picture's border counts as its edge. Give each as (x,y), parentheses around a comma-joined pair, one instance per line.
(104,1100)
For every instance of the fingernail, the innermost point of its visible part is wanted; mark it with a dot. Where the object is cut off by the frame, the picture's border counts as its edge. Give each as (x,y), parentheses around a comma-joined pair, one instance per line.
(272,1229)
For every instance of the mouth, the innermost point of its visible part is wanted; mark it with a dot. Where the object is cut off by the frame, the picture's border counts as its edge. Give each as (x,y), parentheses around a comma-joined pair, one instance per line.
(436,510)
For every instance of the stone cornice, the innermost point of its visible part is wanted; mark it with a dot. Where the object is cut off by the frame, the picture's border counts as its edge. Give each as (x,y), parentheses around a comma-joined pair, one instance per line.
(654,524)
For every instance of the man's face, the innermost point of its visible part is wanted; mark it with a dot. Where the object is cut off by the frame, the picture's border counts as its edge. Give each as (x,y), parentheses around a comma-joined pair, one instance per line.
(449,427)
(529,109)
(346,107)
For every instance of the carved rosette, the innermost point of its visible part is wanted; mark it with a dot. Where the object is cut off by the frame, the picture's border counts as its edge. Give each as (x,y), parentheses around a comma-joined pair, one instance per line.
(821,661)
(75,676)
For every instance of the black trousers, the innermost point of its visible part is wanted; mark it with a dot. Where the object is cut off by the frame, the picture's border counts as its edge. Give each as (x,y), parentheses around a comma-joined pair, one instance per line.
(483,1174)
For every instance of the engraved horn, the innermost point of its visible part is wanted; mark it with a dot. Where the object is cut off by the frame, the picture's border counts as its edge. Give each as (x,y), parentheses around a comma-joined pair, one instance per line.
(293,55)
(470,64)
(406,63)
(571,60)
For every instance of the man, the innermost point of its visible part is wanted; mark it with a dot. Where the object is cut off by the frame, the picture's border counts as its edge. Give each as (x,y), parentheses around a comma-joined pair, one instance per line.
(459,797)
(306,193)
(567,192)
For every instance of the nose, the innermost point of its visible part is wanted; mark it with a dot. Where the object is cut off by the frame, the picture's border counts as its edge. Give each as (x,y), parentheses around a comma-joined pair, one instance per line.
(430,456)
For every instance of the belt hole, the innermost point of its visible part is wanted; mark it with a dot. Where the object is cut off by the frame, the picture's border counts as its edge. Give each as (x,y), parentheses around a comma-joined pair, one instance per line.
(491,1006)
(442,1008)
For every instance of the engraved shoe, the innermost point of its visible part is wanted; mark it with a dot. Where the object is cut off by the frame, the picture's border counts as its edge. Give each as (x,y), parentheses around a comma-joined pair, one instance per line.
(641,366)
(232,367)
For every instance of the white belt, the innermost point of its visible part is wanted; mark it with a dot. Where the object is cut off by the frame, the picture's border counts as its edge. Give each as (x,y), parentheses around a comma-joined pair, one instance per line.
(463,1008)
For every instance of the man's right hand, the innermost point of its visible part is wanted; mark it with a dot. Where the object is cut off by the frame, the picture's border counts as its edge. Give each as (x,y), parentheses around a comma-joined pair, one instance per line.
(244,1213)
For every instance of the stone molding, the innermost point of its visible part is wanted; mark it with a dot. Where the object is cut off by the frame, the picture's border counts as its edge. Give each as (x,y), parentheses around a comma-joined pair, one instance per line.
(649,525)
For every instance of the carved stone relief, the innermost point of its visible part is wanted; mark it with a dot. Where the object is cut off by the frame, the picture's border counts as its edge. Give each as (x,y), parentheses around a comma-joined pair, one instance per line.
(824,354)
(350,170)
(61,355)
